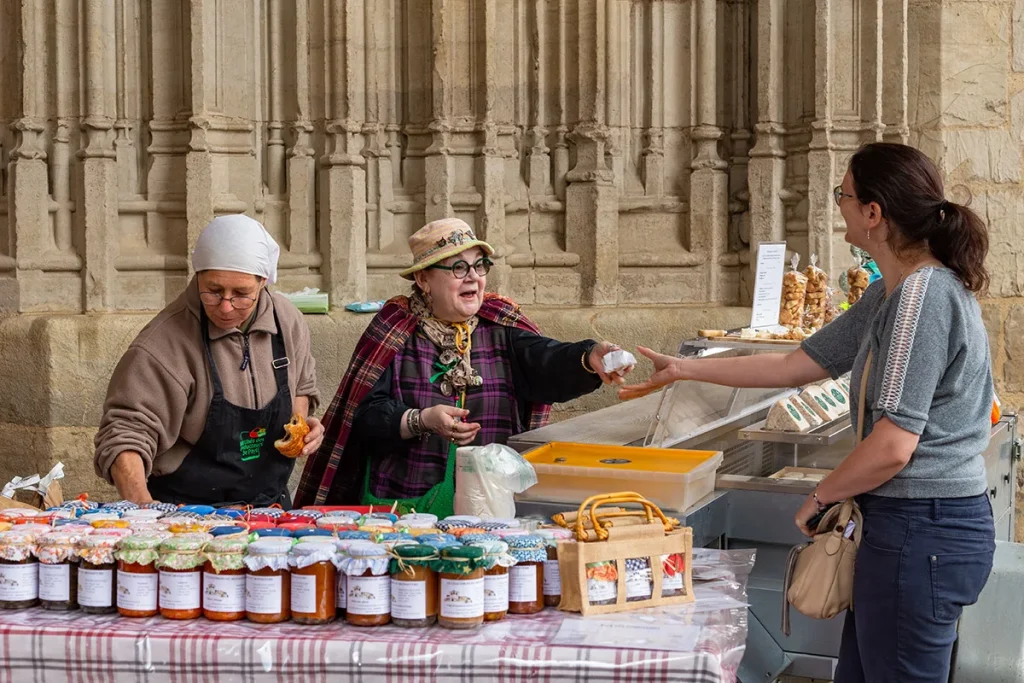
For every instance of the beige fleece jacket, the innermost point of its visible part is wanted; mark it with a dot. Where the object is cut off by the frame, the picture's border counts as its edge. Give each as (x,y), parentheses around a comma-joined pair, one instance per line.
(161,389)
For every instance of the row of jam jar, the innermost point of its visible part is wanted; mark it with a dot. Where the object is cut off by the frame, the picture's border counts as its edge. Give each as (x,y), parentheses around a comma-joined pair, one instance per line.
(271,580)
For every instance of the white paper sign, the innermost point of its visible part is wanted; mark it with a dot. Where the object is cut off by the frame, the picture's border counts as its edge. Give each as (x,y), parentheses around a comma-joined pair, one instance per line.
(771,265)
(577,631)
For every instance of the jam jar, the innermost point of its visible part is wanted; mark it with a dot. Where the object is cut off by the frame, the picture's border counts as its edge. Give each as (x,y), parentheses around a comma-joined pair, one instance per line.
(268,583)
(413,586)
(137,575)
(602,582)
(368,586)
(341,555)
(19,570)
(673,580)
(97,585)
(552,573)
(314,581)
(224,578)
(526,577)
(461,574)
(496,563)
(180,566)
(58,570)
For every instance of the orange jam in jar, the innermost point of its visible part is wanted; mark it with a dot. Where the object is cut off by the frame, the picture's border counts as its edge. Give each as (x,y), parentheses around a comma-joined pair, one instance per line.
(268,581)
(138,579)
(224,578)
(180,567)
(368,585)
(414,586)
(314,581)
(461,574)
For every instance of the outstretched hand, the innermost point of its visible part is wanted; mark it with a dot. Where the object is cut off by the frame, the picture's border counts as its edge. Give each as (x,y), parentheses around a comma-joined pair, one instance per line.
(601,350)
(666,371)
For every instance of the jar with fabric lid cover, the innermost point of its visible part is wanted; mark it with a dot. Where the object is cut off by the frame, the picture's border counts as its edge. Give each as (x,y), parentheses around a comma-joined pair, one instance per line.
(526,577)
(413,586)
(268,582)
(97,584)
(19,570)
(552,573)
(58,570)
(461,573)
(314,581)
(368,587)
(341,547)
(180,567)
(137,575)
(224,578)
(496,560)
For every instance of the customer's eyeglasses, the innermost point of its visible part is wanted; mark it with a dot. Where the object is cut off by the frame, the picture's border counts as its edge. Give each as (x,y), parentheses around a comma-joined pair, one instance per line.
(460,269)
(239,303)
(838,194)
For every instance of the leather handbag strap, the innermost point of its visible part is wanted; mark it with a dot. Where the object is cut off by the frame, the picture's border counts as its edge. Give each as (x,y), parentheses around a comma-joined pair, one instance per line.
(861,398)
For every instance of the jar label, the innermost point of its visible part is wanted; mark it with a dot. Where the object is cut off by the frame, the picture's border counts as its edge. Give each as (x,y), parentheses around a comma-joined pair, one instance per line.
(137,592)
(19,581)
(599,590)
(342,597)
(408,599)
(304,593)
(95,587)
(369,595)
(224,592)
(462,599)
(639,582)
(522,587)
(180,590)
(263,594)
(552,578)
(496,593)
(55,582)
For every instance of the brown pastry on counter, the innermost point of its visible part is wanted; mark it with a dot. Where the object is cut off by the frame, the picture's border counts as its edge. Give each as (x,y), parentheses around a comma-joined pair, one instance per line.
(857,278)
(295,438)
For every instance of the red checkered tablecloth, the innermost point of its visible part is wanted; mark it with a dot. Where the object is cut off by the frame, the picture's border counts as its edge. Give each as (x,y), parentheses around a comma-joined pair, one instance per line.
(45,647)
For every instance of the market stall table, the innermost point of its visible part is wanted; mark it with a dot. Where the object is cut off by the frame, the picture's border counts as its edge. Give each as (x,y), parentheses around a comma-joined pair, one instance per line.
(697,643)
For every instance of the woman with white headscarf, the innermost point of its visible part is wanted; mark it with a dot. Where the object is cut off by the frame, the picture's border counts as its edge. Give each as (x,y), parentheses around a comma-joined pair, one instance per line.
(196,403)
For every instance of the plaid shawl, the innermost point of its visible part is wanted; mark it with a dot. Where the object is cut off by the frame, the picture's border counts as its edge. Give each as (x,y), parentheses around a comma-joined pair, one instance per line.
(386,334)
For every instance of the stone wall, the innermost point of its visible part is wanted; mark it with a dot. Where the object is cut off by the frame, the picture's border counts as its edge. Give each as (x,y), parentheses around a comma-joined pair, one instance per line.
(622,155)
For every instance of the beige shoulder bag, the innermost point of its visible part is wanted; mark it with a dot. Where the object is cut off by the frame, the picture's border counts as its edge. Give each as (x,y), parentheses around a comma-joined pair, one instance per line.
(819,574)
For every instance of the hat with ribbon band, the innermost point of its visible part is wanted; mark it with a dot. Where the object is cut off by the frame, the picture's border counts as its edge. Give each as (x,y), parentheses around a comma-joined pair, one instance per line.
(440,239)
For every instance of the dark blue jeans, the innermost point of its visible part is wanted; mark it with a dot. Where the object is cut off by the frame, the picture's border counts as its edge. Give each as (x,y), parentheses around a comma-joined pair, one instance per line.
(919,563)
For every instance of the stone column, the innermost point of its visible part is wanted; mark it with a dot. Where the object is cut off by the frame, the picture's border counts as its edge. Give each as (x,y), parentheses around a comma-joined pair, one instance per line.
(894,66)
(821,157)
(199,180)
(767,168)
(709,182)
(343,179)
(301,165)
(99,177)
(438,164)
(591,206)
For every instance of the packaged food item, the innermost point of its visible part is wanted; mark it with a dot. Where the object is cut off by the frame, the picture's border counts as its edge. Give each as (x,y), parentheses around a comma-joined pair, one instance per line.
(814,300)
(461,573)
(368,584)
(857,280)
(831,309)
(414,586)
(137,575)
(142,515)
(58,570)
(496,561)
(639,580)
(602,583)
(224,578)
(19,570)
(794,291)
(268,582)
(97,584)
(673,575)
(180,567)
(526,577)
(552,573)
(314,581)
(417,521)
(786,416)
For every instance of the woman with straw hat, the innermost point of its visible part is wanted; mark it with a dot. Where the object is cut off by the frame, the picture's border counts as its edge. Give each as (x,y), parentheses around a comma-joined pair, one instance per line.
(447,366)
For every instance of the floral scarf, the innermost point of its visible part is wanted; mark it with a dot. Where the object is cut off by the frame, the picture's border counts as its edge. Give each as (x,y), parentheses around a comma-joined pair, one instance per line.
(453,340)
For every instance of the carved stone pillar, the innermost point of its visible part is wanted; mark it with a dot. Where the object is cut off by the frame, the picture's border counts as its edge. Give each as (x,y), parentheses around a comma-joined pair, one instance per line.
(821,157)
(438,164)
(767,168)
(301,165)
(709,182)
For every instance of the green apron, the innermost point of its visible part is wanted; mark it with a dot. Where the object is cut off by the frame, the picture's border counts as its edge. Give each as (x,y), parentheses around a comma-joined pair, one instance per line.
(440,499)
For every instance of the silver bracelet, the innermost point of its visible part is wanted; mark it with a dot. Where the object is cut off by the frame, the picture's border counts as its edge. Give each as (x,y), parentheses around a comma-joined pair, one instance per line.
(413,422)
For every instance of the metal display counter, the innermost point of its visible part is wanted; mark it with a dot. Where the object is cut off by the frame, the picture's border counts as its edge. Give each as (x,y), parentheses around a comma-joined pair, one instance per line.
(749,508)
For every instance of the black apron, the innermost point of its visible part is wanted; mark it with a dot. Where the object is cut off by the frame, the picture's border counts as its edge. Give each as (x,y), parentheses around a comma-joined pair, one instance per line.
(234,461)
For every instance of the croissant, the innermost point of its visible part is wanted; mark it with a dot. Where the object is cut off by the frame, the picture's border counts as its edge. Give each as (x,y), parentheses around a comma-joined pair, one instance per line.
(295,438)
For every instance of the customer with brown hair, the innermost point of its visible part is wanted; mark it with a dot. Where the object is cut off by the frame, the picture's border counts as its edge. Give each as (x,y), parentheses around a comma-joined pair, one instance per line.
(919,474)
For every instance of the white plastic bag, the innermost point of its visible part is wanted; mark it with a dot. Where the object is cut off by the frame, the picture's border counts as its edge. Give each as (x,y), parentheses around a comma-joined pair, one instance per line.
(487,479)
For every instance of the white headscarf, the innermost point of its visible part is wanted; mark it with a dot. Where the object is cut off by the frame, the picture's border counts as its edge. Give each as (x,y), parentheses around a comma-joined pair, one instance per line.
(239,244)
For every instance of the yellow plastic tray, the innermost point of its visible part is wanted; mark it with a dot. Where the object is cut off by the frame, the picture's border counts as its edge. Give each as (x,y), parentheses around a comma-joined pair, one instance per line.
(571,472)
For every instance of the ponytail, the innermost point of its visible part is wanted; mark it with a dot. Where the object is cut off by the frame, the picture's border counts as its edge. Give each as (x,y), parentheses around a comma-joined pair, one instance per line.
(960,242)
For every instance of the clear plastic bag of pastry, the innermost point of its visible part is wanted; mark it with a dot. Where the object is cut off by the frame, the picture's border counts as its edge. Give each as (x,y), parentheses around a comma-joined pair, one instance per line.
(794,290)
(831,308)
(814,299)
(857,280)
